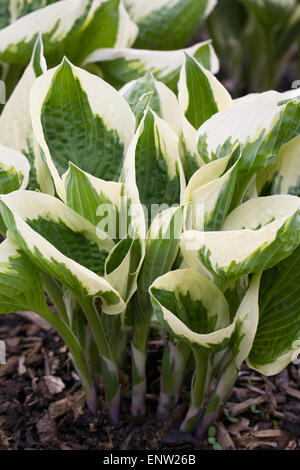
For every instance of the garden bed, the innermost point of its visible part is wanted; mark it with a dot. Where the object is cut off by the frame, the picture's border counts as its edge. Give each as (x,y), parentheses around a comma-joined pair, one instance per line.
(42,403)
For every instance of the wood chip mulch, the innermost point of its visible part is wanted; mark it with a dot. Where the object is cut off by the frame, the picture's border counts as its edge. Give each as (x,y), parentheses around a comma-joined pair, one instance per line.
(42,404)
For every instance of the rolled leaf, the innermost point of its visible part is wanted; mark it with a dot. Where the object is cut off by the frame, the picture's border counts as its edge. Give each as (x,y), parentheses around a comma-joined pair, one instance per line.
(153,166)
(255,236)
(210,191)
(14,170)
(124,65)
(110,206)
(61,243)
(78,117)
(86,195)
(192,309)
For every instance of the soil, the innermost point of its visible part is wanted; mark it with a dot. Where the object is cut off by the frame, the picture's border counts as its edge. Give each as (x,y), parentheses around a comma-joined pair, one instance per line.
(42,403)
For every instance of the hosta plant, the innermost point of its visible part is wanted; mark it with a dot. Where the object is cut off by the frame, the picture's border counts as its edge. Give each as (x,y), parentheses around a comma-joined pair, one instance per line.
(148,208)
(103,31)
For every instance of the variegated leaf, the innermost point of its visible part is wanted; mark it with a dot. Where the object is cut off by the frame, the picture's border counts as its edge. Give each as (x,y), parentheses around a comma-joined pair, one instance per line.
(200,94)
(68,25)
(167,24)
(161,250)
(86,195)
(79,118)
(147,91)
(20,281)
(255,236)
(124,65)
(15,122)
(152,165)
(193,309)
(210,192)
(62,243)
(260,123)
(107,206)
(11,10)
(21,289)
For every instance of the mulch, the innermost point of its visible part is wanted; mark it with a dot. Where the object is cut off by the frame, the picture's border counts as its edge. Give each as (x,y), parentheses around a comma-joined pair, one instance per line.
(42,404)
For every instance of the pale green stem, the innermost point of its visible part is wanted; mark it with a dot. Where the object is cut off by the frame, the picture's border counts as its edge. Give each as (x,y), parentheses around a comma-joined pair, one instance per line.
(138,360)
(175,357)
(55,293)
(226,381)
(200,384)
(109,367)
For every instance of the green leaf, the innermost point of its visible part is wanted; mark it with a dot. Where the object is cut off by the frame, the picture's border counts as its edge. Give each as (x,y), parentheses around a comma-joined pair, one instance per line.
(61,243)
(167,24)
(217,446)
(271,12)
(277,341)
(80,118)
(201,95)
(124,65)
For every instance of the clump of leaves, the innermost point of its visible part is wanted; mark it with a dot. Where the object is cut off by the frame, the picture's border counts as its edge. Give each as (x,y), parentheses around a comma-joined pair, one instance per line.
(141,202)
